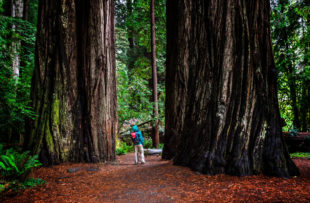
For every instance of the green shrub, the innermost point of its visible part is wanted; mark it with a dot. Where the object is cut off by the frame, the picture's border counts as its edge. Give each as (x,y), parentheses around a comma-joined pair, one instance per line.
(300,155)
(16,165)
(148,143)
(121,151)
(32,182)
(124,149)
(12,187)
(14,169)
(2,188)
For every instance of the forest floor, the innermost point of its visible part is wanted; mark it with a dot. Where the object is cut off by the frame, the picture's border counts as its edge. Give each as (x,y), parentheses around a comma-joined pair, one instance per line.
(159,181)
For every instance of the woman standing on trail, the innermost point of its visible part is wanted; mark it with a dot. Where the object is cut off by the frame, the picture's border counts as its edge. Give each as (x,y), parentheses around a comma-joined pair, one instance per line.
(138,142)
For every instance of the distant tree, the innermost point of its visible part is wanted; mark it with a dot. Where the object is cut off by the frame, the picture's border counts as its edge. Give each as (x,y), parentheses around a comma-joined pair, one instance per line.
(222,113)
(154,70)
(134,59)
(290,34)
(17,38)
(74,83)
(17,8)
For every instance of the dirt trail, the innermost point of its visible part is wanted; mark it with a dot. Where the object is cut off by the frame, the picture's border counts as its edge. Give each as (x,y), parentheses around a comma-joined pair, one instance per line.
(159,181)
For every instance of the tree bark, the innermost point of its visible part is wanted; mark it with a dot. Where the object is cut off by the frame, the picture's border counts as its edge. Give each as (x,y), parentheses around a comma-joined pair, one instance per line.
(222,112)
(154,70)
(74,84)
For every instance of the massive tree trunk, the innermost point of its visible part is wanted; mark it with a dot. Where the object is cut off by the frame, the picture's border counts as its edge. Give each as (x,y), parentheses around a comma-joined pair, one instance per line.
(222,112)
(74,84)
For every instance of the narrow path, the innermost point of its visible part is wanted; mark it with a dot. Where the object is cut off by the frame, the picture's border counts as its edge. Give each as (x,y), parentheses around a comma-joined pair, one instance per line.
(159,181)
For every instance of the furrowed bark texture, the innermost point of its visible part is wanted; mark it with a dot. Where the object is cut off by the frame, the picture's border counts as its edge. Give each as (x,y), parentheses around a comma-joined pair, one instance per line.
(222,112)
(74,84)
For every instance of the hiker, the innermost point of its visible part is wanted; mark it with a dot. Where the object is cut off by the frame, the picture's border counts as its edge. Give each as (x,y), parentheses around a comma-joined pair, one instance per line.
(138,142)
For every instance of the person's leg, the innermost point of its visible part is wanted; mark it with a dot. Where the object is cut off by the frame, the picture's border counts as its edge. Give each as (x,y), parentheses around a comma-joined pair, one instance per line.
(136,154)
(142,154)
(139,153)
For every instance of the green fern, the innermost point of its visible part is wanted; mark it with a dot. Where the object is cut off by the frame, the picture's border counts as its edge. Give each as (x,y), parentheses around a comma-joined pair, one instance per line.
(9,162)
(2,166)
(14,165)
(32,162)
(20,157)
(1,188)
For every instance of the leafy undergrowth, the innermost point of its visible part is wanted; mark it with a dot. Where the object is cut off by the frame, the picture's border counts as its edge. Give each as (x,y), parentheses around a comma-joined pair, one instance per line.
(159,181)
(300,155)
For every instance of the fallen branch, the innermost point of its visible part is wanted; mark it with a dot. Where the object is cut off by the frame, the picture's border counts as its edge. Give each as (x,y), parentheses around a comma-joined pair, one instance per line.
(137,125)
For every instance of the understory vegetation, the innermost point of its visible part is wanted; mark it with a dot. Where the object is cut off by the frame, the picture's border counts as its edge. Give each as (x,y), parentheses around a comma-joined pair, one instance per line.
(15,166)
(300,155)
(133,61)
(291,41)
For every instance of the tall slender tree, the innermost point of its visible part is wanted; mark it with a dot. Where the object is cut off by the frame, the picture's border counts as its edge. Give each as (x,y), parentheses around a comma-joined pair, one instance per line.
(305,104)
(16,13)
(154,71)
(130,33)
(222,113)
(74,86)
(26,9)
(286,31)
(17,7)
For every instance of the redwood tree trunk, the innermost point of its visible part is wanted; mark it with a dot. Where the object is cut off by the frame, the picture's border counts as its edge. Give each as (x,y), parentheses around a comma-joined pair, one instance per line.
(222,112)
(154,70)
(74,84)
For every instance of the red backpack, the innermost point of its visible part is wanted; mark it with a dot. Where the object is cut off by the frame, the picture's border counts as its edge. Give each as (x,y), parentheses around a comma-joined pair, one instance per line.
(134,137)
